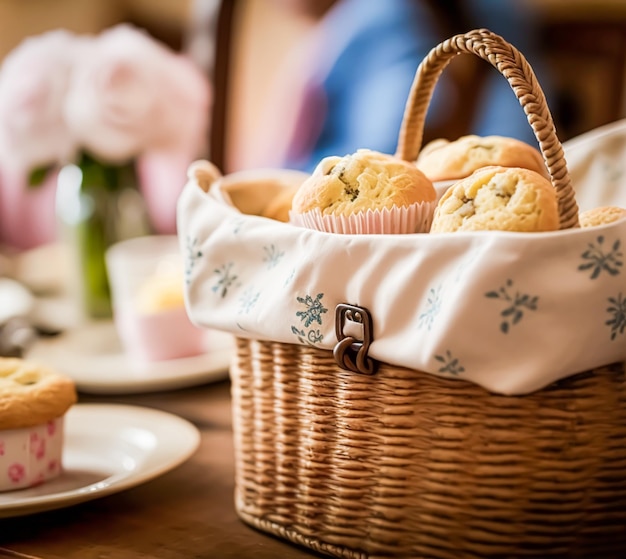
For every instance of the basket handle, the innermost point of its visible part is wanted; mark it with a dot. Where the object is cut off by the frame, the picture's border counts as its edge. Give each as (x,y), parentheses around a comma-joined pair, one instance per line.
(515,68)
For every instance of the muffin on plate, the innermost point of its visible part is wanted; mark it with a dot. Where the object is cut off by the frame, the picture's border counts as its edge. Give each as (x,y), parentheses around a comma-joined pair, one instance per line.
(33,403)
(442,160)
(601,216)
(498,198)
(365,192)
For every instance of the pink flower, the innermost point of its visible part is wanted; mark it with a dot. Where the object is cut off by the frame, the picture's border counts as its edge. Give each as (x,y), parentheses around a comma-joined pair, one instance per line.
(39,450)
(33,84)
(27,215)
(130,94)
(120,96)
(16,472)
(51,427)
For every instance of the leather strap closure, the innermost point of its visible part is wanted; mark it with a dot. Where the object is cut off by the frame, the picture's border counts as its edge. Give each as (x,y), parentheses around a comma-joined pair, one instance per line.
(354,330)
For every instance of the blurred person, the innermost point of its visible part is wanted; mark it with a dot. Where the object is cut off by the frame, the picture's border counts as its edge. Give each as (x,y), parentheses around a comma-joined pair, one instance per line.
(345,87)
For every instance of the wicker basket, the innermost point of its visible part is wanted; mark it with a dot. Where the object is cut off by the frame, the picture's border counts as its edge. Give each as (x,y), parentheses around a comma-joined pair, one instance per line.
(402,463)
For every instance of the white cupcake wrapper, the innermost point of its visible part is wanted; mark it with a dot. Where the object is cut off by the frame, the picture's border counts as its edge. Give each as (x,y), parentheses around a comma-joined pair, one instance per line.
(415,218)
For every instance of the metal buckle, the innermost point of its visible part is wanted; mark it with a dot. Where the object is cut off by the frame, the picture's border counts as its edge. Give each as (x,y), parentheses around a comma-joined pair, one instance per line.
(354,330)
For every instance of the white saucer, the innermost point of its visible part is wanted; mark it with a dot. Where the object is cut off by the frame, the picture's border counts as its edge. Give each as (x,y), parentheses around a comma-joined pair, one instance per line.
(92,355)
(15,300)
(107,448)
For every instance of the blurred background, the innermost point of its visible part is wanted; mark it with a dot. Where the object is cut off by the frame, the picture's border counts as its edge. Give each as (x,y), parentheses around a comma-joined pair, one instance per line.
(581,45)
(291,81)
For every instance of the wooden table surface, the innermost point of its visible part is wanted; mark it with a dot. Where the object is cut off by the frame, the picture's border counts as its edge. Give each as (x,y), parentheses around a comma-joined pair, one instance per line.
(187,513)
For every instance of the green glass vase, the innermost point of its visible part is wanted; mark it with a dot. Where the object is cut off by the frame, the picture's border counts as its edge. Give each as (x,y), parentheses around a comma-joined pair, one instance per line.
(98,205)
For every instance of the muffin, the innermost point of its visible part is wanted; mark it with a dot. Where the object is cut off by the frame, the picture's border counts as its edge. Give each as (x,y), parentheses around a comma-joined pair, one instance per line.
(601,216)
(365,192)
(498,198)
(441,160)
(162,290)
(33,403)
(147,278)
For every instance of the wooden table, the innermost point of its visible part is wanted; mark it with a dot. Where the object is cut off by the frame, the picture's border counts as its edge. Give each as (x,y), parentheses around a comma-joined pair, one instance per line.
(187,513)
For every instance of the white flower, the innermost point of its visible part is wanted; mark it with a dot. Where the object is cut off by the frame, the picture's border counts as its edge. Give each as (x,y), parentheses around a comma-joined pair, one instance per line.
(130,94)
(33,84)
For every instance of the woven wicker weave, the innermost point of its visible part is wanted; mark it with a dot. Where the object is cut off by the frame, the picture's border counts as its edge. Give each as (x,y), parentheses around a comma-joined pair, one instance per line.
(406,464)
(514,67)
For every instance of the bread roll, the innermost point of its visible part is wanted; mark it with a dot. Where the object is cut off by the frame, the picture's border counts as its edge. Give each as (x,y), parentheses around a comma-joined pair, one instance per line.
(443,160)
(601,216)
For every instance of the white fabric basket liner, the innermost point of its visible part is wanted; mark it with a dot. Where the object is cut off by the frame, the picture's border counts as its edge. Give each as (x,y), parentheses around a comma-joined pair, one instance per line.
(512,312)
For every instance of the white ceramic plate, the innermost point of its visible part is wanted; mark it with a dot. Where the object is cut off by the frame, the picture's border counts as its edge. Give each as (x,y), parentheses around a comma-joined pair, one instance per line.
(107,448)
(92,355)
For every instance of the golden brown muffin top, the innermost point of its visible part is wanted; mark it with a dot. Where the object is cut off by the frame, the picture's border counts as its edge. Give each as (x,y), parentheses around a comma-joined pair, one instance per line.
(498,198)
(365,180)
(443,160)
(31,395)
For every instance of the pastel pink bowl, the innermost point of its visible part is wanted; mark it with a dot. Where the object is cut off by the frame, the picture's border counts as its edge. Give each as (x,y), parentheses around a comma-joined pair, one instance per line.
(159,336)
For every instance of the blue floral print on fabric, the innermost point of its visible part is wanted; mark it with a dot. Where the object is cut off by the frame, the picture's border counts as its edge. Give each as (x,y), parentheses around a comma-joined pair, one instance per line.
(460,271)
(290,277)
(191,257)
(311,337)
(225,279)
(248,300)
(433,306)
(516,305)
(600,259)
(314,309)
(272,256)
(617,311)
(237,225)
(450,364)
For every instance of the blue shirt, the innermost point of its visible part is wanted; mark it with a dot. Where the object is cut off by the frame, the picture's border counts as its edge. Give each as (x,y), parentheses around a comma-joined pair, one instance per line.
(371,51)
